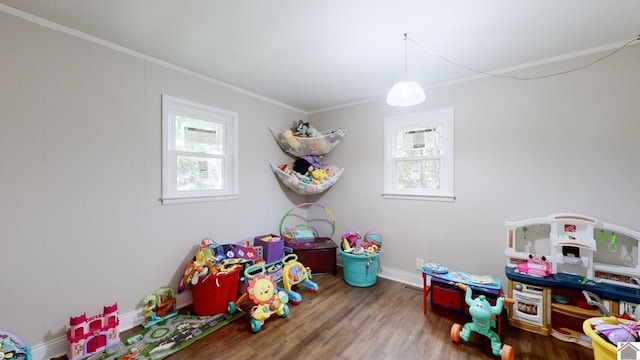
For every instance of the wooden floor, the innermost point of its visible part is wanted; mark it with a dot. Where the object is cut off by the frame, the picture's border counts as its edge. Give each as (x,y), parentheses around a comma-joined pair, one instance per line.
(384,321)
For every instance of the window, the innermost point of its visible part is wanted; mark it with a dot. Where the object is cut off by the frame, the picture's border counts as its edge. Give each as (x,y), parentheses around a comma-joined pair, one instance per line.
(199,152)
(419,156)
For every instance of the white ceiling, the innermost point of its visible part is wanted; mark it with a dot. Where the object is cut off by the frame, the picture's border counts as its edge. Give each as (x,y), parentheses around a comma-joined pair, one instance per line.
(318,54)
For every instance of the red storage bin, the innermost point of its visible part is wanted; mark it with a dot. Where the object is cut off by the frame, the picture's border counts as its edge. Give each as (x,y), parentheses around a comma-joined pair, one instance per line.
(447,296)
(212,293)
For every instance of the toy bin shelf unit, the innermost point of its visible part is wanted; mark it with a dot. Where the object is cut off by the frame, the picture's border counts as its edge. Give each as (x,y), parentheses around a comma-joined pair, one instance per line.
(307,174)
(576,244)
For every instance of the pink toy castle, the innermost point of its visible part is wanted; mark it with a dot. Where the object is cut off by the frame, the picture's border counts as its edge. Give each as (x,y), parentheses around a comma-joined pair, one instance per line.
(88,336)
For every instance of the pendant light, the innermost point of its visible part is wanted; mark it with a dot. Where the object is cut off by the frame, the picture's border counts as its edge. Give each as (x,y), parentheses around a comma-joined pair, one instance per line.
(405,92)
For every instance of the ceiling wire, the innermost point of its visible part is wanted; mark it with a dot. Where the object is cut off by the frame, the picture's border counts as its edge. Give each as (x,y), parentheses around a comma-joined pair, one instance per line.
(628,43)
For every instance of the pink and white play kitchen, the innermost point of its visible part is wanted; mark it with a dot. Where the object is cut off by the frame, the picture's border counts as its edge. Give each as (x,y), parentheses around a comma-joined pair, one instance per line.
(565,268)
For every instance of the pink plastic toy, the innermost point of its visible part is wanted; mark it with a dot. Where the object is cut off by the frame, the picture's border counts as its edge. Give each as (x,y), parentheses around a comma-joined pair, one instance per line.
(535,266)
(88,336)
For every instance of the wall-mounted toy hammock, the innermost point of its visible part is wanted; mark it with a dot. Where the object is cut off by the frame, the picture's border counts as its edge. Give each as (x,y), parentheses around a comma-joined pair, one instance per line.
(299,146)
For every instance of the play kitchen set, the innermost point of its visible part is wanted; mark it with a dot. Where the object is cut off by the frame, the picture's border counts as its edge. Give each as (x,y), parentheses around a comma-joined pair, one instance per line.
(565,268)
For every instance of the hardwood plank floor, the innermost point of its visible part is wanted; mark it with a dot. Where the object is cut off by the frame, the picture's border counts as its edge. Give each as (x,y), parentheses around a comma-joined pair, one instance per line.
(384,321)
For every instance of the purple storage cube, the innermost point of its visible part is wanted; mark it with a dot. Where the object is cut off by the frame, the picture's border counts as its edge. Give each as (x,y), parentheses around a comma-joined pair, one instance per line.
(272,247)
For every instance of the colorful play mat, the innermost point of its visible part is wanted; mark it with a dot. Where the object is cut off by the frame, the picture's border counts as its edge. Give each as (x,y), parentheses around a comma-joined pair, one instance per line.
(169,337)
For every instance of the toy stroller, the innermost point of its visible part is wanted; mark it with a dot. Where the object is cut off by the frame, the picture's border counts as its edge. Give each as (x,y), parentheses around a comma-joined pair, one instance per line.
(263,292)
(294,273)
(483,319)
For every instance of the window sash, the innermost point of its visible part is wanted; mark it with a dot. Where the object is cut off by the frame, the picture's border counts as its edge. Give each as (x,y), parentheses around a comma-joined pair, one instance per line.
(200,155)
(431,154)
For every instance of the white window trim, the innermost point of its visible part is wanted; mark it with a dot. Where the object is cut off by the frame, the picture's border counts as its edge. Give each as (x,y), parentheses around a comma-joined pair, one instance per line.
(170,195)
(442,117)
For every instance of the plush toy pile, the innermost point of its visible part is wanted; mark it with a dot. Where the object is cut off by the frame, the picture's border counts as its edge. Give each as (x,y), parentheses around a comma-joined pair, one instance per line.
(310,170)
(303,139)
(308,174)
(213,258)
(353,243)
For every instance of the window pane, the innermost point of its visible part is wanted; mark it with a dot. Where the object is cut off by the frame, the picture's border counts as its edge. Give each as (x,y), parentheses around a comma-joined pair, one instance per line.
(198,173)
(418,141)
(195,135)
(418,174)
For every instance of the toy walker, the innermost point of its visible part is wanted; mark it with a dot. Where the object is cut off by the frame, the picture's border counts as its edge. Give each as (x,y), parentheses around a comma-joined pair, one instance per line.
(266,298)
(294,273)
(483,316)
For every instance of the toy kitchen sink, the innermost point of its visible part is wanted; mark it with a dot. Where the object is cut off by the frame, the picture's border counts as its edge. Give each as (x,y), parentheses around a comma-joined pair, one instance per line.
(557,264)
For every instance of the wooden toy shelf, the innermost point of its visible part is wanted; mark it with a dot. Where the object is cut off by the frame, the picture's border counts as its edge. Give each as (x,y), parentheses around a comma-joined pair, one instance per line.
(573,311)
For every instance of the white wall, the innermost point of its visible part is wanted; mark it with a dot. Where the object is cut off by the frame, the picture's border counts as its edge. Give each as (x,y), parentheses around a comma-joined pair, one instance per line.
(522,149)
(81,225)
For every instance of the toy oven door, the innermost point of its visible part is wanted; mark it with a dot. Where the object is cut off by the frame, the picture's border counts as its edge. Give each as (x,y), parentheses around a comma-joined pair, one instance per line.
(528,307)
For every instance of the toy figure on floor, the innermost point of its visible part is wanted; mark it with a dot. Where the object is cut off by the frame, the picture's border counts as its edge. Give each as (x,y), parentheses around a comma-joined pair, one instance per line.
(159,306)
(483,316)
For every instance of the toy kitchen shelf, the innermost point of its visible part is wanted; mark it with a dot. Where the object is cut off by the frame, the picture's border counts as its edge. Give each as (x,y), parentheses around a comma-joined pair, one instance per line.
(553,260)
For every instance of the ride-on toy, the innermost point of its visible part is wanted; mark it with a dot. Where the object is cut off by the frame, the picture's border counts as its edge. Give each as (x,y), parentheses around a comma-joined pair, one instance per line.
(264,293)
(293,273)
(483,316)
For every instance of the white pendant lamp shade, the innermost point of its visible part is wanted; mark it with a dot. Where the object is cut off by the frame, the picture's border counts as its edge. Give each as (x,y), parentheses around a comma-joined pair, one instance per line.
(405,93)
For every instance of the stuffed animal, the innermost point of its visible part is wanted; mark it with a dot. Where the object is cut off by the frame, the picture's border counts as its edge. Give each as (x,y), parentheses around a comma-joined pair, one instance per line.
(313,132)
(285,168)
(290,139)
(300,128)
(302,166)
(315,161)
(305,179)
(304,129)
(316,145)
(350,240)
(332,170)
(320,175)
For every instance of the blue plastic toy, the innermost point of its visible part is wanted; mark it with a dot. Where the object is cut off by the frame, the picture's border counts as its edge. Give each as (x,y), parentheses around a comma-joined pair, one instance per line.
(483,316)
(11,347)
(294,273)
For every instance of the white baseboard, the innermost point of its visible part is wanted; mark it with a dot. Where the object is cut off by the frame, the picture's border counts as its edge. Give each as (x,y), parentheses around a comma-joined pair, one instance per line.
(58,347)
(414,279)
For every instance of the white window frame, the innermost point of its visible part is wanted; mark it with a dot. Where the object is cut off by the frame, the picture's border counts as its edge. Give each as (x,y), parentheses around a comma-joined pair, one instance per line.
(442,117)
(172,107)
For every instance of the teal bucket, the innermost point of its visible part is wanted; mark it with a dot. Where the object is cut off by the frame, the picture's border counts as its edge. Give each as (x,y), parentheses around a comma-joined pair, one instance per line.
(355,269)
